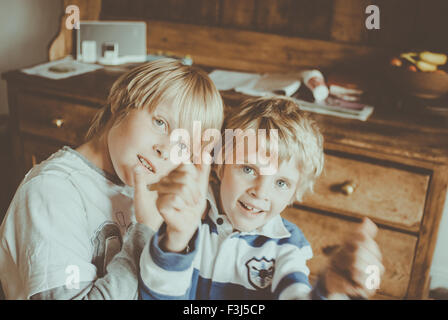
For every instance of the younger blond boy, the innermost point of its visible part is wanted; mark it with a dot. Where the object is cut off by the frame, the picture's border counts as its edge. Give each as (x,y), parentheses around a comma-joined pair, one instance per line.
(242,248)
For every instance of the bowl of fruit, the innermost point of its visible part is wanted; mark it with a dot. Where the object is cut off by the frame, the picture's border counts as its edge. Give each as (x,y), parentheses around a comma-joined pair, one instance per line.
(421,74)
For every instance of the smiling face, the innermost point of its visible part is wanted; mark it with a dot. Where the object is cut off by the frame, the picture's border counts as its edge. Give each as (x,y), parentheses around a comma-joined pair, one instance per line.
(143,138)
(250,199)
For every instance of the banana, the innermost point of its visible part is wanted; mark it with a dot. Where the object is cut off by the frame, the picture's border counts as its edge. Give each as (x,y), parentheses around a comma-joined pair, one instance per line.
(409,56)
(422,65)
(437,59)
(425,66)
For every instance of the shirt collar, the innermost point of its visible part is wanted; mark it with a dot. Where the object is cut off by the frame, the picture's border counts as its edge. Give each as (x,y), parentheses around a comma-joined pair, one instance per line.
(275,228)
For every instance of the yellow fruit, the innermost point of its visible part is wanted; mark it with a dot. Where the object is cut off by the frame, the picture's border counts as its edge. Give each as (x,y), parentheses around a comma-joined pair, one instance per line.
(425,66)
(437,59)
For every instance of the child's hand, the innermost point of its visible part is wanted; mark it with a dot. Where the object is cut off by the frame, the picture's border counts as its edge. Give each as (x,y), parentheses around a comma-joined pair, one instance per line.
(181,202)
(349,269)
(145,201)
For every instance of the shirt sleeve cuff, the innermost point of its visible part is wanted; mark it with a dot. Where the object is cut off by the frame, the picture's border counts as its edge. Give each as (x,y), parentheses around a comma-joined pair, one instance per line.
(172,261)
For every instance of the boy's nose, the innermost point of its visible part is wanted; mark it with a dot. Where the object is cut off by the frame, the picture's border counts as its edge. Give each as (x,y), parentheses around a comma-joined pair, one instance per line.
(160,151)
(260,192)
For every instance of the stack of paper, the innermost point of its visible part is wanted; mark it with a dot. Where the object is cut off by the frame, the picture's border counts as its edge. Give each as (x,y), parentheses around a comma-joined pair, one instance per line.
(341,102)
(255,84)
(326,107)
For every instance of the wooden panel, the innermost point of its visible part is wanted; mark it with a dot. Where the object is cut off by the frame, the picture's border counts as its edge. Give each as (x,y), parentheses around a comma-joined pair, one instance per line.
(431,25)
(273,16)
(37,150)
(398,19)
(348,23)
(237,13)
(388,195)
(191,11)
(391,133)
(326,232)
(310,19)
(251,51)
(428,235)
(39,113)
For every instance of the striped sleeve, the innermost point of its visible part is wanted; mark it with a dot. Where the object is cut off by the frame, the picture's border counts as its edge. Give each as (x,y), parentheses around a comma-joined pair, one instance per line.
(290,281)
(166,275)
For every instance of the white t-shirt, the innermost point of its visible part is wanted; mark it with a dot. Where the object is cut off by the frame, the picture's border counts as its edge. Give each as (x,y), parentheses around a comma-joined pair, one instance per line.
(66,222)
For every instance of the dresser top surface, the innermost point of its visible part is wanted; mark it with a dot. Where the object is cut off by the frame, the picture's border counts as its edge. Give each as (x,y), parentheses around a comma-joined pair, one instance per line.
(398,132)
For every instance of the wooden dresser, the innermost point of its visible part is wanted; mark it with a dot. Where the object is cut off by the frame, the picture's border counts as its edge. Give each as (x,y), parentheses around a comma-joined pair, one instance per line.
(395,162)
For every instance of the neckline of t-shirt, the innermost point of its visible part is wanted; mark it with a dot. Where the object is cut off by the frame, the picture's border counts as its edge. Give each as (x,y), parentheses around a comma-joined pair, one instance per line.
(105,174)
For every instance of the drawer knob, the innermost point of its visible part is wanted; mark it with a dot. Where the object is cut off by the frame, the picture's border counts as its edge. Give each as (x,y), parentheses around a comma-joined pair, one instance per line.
(329,250)
(58,122)
(348,187)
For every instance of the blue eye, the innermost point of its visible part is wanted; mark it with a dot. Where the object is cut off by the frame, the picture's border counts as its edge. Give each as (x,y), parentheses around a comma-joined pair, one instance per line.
(160,123)
(248,170)
(282,184)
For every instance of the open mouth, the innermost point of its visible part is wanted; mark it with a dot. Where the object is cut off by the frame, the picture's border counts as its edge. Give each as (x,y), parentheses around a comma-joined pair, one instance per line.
(148,165)
(250,209)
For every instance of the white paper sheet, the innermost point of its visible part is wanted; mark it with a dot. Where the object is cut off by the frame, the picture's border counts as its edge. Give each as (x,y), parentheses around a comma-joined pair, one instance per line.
(73,68)
(255,84)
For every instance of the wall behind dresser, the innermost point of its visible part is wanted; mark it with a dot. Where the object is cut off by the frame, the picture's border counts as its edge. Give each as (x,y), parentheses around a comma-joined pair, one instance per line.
(26,30)
(403,23)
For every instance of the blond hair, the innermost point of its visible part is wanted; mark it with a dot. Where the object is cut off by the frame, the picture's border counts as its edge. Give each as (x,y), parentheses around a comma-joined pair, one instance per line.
(298,135)
(153,82)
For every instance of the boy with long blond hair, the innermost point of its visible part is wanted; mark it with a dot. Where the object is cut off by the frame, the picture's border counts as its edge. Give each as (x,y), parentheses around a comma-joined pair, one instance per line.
(70,231)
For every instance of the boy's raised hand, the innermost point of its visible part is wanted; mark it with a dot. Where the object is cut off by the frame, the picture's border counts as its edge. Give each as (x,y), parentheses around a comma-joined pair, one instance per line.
(352,265)
(181,202)
(145,201)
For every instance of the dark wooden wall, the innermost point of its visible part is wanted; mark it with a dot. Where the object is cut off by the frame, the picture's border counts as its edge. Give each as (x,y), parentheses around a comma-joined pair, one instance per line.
(405,24)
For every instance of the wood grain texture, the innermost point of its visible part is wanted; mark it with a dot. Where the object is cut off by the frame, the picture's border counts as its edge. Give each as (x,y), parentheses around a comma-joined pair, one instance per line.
(430,26)
(404,23)
(398,23)
(252,51)
(435,204)
(326,232)
(348,23)
(311,19)
(192,11)
(37,114)
(38,150)
(16,141)
(238,14)
(388,195)
(404,137)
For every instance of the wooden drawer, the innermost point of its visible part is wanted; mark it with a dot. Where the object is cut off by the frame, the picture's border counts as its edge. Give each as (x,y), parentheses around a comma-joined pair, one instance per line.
(326,232)
(392,195)
(52,118)
(37,150)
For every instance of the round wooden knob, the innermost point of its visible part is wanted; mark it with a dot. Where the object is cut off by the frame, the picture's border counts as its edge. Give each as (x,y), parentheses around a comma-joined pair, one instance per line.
(59,122)
(348,187)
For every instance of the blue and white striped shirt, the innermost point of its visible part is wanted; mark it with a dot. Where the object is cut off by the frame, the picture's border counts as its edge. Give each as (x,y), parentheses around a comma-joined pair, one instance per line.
(269,263)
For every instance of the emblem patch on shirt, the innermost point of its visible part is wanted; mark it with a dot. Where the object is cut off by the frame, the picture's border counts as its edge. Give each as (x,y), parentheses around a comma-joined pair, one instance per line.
(260,272)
